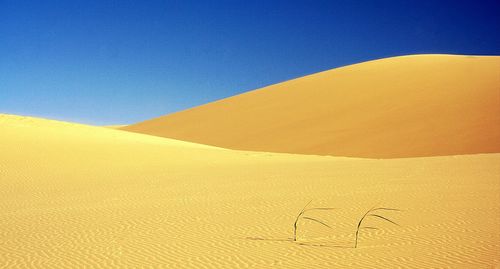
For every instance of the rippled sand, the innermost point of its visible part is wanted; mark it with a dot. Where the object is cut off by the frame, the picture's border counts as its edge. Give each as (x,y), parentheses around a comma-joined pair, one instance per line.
(74,196)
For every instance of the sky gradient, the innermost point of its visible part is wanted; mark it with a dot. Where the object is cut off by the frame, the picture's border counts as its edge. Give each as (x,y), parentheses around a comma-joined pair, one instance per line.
(119,62)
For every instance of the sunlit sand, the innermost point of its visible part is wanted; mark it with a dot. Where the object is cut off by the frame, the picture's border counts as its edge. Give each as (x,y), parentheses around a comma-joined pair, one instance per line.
(422,135)
(79,196)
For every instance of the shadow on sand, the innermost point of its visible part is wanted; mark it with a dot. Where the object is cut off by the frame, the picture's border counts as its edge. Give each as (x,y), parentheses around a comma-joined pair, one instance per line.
(301,243)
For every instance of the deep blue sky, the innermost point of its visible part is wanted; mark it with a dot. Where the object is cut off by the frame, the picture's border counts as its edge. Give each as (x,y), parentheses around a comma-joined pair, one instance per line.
(113,62)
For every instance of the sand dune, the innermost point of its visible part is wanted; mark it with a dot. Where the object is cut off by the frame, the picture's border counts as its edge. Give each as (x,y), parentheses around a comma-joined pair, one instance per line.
(74,196)
(115,126)
(424,105)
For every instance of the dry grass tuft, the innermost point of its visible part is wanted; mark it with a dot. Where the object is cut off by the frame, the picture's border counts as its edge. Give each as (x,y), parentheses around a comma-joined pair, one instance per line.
(371,213)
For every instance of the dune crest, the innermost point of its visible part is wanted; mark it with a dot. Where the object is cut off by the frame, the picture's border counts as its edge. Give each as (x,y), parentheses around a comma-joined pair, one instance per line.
(409,106)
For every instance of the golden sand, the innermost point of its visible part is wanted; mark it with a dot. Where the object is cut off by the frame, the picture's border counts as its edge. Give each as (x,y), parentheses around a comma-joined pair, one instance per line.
(75,196)
(423,105)
(115,126)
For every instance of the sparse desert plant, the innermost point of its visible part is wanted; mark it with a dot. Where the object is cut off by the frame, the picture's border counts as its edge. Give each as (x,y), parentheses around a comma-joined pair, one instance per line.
(373,213)
(301,216)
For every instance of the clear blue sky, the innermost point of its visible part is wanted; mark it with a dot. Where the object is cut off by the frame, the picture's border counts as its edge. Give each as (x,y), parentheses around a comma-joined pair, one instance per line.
(113,62)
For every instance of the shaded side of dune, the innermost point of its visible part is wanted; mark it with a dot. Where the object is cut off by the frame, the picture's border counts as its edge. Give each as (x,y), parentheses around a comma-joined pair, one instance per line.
(410,106)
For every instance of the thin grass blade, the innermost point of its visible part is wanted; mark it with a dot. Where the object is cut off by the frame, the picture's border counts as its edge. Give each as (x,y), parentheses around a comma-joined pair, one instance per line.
(384,218)
(371,228)
(304,209)
(318,221)
(320,208)
(386,208)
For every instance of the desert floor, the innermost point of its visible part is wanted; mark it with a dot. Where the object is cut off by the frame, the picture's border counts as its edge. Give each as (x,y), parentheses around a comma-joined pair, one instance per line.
(79,196)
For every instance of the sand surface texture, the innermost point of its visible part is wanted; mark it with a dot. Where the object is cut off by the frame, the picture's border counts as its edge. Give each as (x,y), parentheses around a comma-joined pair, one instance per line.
(75,196)
(423,105)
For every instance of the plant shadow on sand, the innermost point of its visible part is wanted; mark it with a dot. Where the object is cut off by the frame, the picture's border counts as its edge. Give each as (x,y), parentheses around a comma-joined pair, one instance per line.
(304,243)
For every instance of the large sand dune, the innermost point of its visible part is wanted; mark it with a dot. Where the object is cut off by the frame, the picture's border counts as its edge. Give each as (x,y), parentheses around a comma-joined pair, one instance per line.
(75,196)
(424,105)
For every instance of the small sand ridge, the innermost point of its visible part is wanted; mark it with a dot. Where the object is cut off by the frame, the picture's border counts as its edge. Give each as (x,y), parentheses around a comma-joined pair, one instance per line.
(74,196)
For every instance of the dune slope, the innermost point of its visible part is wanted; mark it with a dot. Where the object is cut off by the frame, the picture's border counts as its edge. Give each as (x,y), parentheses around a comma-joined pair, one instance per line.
(75,196)
(423,105)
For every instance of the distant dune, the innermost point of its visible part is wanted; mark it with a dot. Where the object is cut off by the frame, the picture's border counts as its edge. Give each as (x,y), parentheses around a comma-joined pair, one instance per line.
(410,106)
(76,196)
(115,126)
